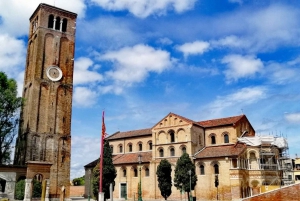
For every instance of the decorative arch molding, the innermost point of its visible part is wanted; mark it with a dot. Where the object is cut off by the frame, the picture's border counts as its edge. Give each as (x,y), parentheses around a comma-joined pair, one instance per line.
(200,163)
(214,163)
(252,151)
(212,134)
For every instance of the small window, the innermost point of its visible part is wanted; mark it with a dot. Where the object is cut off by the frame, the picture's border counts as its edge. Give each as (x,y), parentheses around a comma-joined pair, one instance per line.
(140,147)
(135,172)
(130,148)
(202,170)
(124,173)
(172,152)
(183,150)
(64,25)
(213,139)
(112,149)
(57,23)
(161,153)
(226,138)
(50,21)
(172,136)
(147,172)
(150,145)
(216,168)
(120,149)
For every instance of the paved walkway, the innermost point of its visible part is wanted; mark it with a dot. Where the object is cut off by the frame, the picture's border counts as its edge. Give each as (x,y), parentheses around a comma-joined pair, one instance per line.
(80,199)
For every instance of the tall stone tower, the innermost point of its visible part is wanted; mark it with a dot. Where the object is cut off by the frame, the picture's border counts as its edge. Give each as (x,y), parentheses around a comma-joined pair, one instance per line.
(44,140)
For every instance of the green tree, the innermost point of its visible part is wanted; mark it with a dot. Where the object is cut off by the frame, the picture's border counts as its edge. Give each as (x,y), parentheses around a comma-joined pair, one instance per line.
(79,181)
(108,171)
(20,189)
(164,178)
(182,177)
(9,106)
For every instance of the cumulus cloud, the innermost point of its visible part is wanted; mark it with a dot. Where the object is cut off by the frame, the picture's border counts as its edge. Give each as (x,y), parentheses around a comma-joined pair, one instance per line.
(281,73)
(144,8)
(84,150)
(196,47)
(133,64)
(84,97)
(85,72)
(242,97)
(18,26)
(293,118)
(239,66)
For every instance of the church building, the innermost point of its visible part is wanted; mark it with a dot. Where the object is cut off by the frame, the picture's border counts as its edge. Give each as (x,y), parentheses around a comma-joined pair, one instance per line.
(227,147)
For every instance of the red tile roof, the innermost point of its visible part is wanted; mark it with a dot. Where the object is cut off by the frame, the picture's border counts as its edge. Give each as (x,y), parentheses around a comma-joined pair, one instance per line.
(221,151)
(221,121)
(127,134)
(132,157)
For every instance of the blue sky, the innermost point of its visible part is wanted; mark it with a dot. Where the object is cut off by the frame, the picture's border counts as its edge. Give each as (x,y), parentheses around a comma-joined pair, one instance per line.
(202,59)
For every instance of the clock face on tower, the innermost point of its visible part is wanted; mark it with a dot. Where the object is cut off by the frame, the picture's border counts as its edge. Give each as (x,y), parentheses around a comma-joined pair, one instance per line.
(54,73)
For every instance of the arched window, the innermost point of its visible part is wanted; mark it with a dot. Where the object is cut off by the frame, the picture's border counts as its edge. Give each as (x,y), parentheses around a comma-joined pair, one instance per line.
(172,152)
(112,149)
(161,153)
(135,172)
(216,169)
(202,170)
(64,25)
(150,145)
(50,21)
(57,23)
(172,136)
(147,172)
(213,139)
(130,147)
(140,147)
(124,173)
(183,150)
(226,138)
(120,149)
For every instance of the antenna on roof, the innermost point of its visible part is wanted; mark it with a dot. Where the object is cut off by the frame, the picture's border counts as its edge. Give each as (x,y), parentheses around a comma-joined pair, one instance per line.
(242,111)
(53,2)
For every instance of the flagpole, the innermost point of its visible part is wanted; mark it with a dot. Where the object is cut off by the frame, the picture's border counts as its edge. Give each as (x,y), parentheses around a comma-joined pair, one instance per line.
(101,196)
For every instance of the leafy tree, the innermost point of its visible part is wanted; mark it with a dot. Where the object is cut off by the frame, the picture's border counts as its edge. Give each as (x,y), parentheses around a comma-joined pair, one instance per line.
(9,105)
(108,171)
(20,189)
(182,176)
(164,178)
(79,181)
(37,189)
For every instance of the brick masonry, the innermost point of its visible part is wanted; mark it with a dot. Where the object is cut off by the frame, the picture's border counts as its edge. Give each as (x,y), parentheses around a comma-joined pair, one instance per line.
(288,193)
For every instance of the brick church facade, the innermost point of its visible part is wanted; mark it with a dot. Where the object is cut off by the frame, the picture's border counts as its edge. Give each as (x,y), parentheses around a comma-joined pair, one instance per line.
(215,148)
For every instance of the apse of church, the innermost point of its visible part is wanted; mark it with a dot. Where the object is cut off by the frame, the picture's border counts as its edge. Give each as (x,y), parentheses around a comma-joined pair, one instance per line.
(45,127)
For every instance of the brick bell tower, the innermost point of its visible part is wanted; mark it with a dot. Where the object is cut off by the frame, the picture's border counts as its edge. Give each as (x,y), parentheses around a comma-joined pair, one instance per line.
(44,139)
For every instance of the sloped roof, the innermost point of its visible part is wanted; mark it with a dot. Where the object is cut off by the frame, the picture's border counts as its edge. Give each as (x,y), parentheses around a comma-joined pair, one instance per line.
(180,117)
(132,157)
(127,134)
(92,164)
(221,121)
(221,151)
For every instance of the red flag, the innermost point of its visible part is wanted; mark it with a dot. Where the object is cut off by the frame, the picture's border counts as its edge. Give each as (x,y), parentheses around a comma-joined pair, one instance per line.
(103,127)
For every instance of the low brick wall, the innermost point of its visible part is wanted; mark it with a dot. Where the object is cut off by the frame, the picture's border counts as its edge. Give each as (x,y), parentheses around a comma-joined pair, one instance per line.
(76,191)
(290,193)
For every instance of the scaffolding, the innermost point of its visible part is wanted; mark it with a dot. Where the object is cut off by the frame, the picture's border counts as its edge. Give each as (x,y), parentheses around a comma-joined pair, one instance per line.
(274,162)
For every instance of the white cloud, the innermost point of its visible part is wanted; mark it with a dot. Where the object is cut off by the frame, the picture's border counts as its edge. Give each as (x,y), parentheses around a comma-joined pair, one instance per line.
(144,8)
(84,97)
(239,99)
(17,25)
(231,42)
(196,47)
(165,41)
(85,149)
(241,66)
(282,74)
(82,74)
(293,118)
(133,64)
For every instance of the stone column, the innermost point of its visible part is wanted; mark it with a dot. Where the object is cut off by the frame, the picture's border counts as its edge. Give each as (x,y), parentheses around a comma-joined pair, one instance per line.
(28,190)
(47,190)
